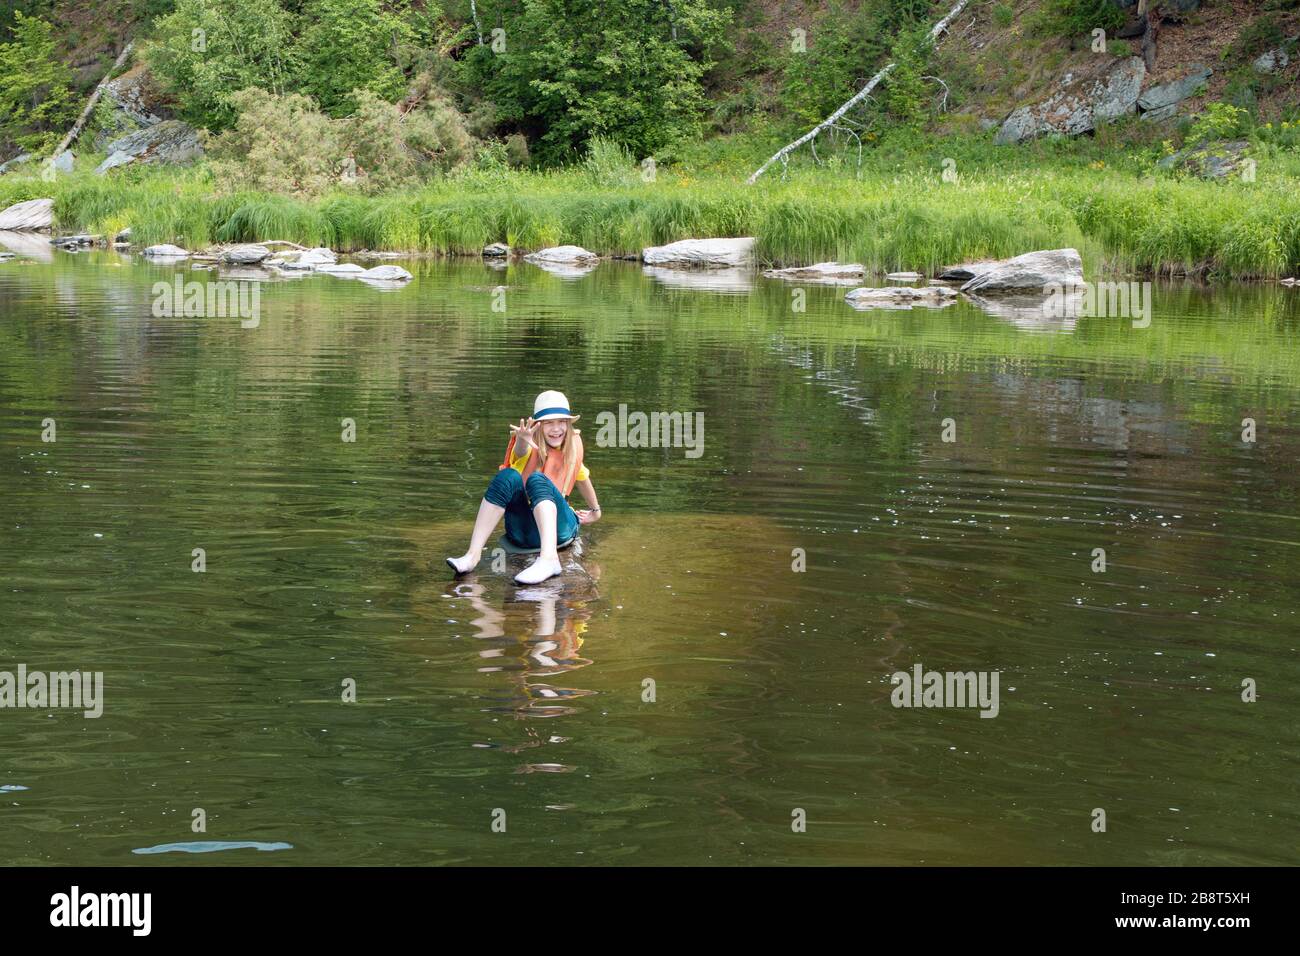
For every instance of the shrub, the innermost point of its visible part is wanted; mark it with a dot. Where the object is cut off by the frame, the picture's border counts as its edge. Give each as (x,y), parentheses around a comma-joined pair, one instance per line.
(277,144)
(1073,17)
(1219,121)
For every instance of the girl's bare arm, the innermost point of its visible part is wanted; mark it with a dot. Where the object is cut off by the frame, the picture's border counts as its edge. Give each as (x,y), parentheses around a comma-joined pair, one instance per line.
(589,495)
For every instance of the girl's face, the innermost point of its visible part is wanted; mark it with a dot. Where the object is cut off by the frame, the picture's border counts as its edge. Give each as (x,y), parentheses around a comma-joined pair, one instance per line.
(554,429)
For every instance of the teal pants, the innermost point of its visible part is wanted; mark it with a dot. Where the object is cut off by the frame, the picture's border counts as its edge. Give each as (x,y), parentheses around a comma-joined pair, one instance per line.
(509,490)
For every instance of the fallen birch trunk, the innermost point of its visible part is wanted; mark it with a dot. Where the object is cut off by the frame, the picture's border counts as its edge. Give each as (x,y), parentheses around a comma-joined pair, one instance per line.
(857,98)
(94,98)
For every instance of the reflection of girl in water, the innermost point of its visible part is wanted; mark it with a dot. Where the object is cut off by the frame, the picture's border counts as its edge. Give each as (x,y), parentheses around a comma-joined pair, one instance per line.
(543,463)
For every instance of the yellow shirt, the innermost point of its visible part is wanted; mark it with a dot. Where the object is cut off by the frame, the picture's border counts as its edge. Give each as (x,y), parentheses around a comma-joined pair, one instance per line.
(519,464)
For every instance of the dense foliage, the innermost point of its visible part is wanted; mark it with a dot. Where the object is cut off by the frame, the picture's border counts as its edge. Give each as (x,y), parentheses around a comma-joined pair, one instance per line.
(34,95)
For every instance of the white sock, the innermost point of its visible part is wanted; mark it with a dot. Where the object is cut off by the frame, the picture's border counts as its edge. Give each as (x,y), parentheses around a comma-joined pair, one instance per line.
(539,571)
(463,564)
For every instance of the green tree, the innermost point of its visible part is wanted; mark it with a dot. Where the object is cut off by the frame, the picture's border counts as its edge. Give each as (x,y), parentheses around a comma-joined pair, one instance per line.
(350,45)
(35,98)
(207,50)
(628,70)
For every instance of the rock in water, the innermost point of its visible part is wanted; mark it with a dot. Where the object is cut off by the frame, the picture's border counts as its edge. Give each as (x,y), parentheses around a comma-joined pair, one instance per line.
(562,255)
(246,255)
(966,271)
(170,141)
(819,270)
(1075,107)
(1032,272)
(385,274)
(34,215)
(702,253)
(345,269)
(496,250)
(901,297)
(165,251)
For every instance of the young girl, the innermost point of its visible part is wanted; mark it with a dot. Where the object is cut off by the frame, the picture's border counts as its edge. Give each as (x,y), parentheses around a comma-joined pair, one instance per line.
(543,462)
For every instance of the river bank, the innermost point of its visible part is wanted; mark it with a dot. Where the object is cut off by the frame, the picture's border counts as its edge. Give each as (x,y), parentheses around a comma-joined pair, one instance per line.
(901,217)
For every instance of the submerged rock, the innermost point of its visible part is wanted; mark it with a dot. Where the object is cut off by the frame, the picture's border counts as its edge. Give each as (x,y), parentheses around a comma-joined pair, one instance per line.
(385,274)
(1031,272)
(307,259)
(702,253)
(165,251)
(1073,109)
(33,215)
(733,281)
(344,269)
(904,276)
(904,297)
(820,271)
(966,270)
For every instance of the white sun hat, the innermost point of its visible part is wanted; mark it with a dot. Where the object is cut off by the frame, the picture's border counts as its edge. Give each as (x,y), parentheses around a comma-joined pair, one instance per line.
(551,405)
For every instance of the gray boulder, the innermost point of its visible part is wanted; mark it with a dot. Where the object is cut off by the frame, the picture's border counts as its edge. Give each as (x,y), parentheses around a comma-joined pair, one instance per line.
(1170,94)
(63,162)
(702,253)
(165,251)
(1160,114)
(34,215)
(16,161)
(1210,160)
(1102,93)
(246,255)
(385,274)
(1031,272)
(170,141)
(496,250)
(1270,62)
(562,255)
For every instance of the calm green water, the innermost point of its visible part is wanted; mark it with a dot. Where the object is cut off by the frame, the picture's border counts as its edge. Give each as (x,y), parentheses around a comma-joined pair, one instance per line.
(1119,690)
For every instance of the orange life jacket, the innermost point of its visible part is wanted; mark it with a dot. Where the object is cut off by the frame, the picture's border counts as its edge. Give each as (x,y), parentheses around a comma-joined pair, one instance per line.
(563,478)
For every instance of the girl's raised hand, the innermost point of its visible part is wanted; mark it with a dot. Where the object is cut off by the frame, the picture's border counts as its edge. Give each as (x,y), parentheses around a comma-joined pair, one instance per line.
(527,431)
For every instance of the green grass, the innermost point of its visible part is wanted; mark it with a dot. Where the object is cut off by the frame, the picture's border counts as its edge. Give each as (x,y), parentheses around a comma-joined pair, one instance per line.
(897,214)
